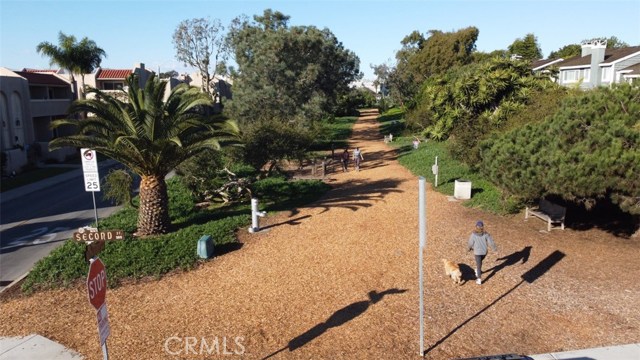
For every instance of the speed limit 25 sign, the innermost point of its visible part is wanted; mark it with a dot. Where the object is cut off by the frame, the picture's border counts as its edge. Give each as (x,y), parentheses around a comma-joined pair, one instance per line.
(90,169)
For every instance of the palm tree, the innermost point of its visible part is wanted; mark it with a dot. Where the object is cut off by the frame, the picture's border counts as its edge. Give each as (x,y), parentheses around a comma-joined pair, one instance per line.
(149,136)
(77,57)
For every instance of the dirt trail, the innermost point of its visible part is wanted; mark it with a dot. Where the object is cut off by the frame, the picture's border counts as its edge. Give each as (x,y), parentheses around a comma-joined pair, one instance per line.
(338,279)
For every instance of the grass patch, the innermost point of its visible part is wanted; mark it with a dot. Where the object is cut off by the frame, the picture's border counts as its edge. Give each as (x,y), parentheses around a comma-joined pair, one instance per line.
(31,176)
(392,122)
(134,258)
(484,194)
(337,132)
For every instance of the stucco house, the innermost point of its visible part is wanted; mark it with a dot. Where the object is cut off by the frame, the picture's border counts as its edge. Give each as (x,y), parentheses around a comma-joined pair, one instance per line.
(599,66)
(29,101)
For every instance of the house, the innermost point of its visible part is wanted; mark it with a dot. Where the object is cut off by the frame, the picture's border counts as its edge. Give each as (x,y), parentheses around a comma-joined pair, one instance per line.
(29,101)
(114,79)
(599,66)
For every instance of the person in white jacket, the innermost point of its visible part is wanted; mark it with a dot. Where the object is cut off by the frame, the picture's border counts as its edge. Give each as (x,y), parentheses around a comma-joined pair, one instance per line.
(479,242)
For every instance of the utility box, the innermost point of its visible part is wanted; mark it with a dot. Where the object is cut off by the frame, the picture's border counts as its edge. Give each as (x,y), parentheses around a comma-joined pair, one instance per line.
(205,247)
(462,189)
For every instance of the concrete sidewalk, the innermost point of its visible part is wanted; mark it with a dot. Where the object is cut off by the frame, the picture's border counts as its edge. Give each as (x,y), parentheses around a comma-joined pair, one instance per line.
(621,352)
(38,347)
(35,347)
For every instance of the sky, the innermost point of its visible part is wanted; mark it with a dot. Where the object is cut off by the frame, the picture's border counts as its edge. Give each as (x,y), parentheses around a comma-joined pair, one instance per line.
(140,31)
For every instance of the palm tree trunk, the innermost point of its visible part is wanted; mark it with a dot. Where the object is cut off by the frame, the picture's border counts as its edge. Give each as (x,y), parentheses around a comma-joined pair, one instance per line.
(153,214)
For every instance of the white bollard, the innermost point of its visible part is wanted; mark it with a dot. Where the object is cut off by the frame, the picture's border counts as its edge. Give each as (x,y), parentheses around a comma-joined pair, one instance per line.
(255,224)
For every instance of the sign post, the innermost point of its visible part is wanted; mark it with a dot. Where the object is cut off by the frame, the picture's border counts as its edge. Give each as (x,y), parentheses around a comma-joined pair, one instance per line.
(434,170)
(97,291)
(91,176)
(422,230)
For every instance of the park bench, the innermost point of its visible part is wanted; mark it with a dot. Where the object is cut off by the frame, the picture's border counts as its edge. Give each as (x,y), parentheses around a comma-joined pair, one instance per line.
(549,212)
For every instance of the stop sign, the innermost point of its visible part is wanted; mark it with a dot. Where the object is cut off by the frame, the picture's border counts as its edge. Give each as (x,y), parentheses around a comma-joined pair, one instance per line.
(97,283)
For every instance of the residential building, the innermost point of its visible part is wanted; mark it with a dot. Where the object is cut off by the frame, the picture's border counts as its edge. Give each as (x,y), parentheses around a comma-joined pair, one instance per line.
(29,101)
(599,66)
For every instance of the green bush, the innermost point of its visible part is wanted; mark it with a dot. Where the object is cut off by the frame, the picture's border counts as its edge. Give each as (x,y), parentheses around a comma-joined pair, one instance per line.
(134,258)
(588,150)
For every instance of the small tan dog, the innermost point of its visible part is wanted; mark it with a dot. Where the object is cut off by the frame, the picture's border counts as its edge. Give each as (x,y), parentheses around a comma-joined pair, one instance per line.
(452,269)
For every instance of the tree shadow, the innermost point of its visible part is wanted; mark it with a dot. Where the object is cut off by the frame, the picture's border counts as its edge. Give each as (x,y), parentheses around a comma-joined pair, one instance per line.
(356,194)
(512,259)
(603,215)
(291,222)
(338,318)
(530,276)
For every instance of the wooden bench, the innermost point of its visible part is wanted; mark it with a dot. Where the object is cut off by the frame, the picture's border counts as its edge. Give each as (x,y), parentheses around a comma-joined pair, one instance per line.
(549,212)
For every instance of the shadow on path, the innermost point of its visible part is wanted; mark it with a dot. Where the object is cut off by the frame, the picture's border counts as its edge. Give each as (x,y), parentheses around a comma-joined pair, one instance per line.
(530,276)
(522,255)
(338,318)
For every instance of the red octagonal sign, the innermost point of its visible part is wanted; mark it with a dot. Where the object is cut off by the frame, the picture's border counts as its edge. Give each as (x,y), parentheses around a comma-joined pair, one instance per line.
(97,283)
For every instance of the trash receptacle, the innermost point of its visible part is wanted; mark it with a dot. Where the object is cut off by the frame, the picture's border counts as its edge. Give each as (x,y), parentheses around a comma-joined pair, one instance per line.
(462,189)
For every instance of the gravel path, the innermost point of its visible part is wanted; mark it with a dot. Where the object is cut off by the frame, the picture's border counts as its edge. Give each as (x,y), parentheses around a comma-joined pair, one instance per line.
(338,279)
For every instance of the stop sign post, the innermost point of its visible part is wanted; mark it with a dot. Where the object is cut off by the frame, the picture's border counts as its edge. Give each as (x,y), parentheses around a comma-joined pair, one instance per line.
(97,291)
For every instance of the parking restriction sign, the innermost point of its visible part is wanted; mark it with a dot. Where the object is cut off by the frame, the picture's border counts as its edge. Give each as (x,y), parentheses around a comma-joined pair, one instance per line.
(90,170)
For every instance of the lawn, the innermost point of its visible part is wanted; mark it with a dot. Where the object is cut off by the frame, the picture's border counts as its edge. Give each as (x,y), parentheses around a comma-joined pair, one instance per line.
(484,194)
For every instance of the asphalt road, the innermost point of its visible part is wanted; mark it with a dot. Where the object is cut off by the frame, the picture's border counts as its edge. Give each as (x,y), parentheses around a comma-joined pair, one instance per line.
(37,219)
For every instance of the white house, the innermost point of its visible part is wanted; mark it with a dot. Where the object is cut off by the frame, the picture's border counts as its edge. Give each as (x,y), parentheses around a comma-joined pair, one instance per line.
(599,66)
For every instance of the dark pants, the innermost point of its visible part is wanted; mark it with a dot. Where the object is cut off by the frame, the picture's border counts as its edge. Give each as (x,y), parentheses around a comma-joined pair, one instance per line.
(479,259)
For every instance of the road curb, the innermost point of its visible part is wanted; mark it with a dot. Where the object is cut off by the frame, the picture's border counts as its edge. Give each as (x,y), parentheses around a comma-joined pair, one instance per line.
(13,284)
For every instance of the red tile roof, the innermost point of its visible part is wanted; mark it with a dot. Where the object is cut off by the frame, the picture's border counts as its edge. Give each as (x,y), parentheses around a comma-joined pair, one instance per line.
(113,74)
(42,79)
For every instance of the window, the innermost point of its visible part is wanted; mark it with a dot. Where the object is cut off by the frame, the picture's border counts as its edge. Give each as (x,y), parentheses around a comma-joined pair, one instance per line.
(606,74)
(112,85)
(571,75)
(587,75)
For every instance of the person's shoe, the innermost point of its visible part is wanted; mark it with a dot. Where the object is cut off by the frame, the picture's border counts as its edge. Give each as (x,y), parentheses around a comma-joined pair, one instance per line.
(479,281)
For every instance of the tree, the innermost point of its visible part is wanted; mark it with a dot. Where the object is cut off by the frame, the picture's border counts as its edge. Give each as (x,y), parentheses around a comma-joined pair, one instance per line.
(77,57)
(422,58)
(149,136)
(201,43)
(289,74)
(615,43)
(526,48)
(587,151)
(169,74)
(566,52)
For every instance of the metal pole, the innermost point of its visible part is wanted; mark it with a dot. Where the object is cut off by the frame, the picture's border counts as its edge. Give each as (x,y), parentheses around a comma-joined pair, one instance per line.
(105,351)
(95,208)
(422,228)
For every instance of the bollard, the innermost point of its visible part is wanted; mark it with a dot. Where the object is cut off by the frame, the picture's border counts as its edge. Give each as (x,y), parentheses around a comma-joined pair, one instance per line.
(255,225)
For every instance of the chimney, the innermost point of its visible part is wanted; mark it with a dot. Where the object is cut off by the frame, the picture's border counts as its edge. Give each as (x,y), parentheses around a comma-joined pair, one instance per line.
(596,48)
(139,65)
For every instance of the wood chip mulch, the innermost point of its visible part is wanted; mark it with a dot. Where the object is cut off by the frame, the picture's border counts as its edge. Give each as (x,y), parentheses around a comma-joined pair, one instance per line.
(338,279)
